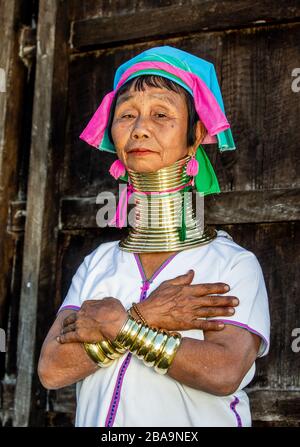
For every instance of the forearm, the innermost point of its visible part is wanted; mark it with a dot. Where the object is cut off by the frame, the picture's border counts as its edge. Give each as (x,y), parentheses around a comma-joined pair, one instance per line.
(203,365)
(199,364)
(61,365)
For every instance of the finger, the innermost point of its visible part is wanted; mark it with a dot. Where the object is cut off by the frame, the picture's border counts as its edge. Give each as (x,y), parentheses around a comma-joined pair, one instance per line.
(182,279)
(206,325)
(70,337)
(206,312)
(70,319)
(69,328)
(209,288)
(215,301)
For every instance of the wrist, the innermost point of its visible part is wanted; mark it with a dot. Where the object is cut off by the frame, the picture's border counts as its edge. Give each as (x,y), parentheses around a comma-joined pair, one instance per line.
(114,328)
(147,313)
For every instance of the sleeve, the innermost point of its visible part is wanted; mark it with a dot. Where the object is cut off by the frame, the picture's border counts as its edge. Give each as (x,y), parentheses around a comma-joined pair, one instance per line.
(73,297)
(246,281)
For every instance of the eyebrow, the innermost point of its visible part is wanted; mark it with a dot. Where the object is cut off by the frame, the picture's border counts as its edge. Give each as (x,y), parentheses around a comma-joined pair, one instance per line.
(126,97)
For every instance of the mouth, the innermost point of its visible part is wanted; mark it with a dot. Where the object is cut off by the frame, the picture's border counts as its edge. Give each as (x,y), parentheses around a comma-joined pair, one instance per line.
(140,151)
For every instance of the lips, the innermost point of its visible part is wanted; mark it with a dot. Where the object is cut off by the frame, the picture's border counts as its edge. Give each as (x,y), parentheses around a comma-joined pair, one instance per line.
(140,149)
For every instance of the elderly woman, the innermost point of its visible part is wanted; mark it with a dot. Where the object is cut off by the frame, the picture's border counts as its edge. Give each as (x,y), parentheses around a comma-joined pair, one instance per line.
(163,327)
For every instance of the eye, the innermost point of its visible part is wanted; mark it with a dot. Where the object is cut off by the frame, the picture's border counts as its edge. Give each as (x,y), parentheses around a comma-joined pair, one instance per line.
(128,115)
(160,115)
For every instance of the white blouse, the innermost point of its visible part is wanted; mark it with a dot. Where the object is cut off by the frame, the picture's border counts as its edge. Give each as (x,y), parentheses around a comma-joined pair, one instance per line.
(130,394)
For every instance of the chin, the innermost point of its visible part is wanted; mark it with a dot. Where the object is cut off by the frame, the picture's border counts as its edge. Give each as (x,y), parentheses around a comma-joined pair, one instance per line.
(143,166)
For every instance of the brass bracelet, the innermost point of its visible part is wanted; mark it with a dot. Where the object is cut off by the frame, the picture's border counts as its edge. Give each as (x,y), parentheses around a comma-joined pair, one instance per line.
(147,344)
(155,347)
(167,355)
(103,352)
(109,350)
(139,340)
(118,348)
(128,333)
(97,355)
(124,331)
(155,351)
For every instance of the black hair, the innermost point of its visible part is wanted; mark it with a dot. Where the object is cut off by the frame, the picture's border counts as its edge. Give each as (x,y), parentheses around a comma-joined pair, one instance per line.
(159,82)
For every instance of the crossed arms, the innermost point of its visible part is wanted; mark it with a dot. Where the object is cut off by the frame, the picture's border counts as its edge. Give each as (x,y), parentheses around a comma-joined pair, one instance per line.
(215,365)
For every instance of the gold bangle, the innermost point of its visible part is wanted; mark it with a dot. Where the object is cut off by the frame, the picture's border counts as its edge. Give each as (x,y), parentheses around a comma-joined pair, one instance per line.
(128,333)
(147,344)
(167,356)
(109,350)
(124,331)
(97,355)
(156,349)
(118,348)
(139,340)
(131,335)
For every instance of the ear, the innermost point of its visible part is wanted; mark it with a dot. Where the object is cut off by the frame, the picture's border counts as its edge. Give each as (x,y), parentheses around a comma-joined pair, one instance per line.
(200,133)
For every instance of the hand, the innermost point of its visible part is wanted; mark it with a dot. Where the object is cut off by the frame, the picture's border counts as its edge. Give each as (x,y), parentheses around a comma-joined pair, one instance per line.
(176,305)
(96,320)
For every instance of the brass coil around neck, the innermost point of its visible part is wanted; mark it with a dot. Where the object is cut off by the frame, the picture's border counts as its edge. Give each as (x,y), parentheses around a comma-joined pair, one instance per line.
(158,216)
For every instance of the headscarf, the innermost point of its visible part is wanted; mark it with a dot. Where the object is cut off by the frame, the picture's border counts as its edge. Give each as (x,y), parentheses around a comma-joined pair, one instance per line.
(194,74)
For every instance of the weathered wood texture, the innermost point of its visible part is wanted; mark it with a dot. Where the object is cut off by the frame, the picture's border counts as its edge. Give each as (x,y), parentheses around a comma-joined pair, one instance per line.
(40,248)
(255,47)
(198,16)
(15,120)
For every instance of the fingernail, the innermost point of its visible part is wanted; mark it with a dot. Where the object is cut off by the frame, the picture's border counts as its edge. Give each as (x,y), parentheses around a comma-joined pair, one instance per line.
(231,311)
(235,301)
(226,288)
(221,325)
(58,339)
(190,271)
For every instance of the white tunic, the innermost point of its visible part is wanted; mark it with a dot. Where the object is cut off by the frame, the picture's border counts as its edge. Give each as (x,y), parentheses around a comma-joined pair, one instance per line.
(130,394)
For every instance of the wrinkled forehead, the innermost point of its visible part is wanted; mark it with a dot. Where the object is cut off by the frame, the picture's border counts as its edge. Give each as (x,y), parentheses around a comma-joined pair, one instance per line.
(153,89)
(151,94)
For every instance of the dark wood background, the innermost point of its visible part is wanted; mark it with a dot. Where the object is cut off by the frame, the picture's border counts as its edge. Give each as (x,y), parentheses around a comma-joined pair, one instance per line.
(49,178)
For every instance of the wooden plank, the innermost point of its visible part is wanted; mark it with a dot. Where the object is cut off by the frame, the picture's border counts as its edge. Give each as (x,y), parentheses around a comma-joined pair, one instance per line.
(11,115)
(277,205)
(262,107)
(40,243)
(177,19)
(277,246)
(274,408)
(15,111)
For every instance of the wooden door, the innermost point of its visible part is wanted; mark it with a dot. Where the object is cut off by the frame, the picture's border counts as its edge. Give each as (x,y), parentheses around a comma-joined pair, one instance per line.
(255,48)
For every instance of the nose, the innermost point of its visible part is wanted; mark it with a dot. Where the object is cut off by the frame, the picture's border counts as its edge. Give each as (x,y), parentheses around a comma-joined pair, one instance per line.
(140,129)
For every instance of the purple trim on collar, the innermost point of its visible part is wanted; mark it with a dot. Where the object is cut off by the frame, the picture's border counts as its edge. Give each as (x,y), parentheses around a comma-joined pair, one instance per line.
(233,408)
(164,264)
(136,257)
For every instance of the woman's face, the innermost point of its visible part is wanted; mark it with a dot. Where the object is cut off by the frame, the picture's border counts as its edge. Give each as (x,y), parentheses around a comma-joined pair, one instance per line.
(149,128)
